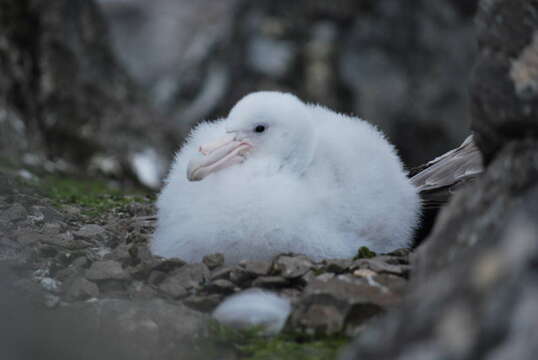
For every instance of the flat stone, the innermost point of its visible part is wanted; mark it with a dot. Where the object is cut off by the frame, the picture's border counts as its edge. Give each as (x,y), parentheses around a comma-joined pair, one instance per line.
(292,267)
(173,287)
(66,241)
(380,266)
(326,306)
(28,237)
(139,290)
(90,232)
(106,270)
(213,261)
(81,261)
(149,329)
(166,265)
(48,214)
(203,303)
(156,277)
(403,252)
(119,253)
(71,211)
(322,319)
(68,274)
(52,228)
(81,289)
(190,275)
(222,272)
(51,301)
(221,286)
(15,212)
(6,225)
(113,288)
(240,276)
(270,282)
(336,265)
(325,277)
(257,268)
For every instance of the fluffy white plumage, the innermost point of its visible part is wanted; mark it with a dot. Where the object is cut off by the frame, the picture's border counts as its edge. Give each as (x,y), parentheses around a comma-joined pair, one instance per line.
(254,308)
(312,182)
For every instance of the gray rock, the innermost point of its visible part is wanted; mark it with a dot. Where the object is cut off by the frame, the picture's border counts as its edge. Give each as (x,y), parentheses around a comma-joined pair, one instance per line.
(213,261)
(67,241)
(240,276)
(164,265)
(325,277)
(270,282)
(338,304)
(52,228)
(204,303)
(336,265)
(190,275)
(257,268)
(15,212)
(378,265)
(508,52)
(120,253)
(81,289)
(222,272)
(140,291)
(156,277)
(81,262)
(292,267)
(51,301)
(113,288)
(28,237)
(106,270)
(403,252)
(68,273)
(321,319)
(6,225)
(47,214)
(174,287)
(221,286)
(474,279)
(90,232)
(143,329)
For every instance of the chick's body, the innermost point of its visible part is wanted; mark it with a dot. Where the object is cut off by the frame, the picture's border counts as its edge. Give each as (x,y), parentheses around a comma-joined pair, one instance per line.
(348,190)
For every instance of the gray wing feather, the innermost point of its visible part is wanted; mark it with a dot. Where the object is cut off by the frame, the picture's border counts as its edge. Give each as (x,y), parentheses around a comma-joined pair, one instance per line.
(438,179)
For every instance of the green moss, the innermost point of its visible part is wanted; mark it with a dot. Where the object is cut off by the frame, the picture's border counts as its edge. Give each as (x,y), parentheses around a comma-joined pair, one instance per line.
(364,253)
(251,345)
(93,196)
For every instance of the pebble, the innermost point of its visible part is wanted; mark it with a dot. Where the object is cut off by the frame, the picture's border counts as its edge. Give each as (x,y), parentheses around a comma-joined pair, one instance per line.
(213,261)
(90,232)
(291,267)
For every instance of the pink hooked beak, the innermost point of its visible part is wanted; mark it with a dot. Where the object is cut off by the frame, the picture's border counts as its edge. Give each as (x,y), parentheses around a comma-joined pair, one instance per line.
(218,155)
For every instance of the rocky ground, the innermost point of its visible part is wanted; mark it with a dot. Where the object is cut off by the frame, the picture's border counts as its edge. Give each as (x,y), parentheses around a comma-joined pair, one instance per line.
(79,247)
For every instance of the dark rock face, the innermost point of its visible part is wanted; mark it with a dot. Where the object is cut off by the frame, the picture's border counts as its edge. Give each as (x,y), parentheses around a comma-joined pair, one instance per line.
(505,81)
(474,286)
(64,96)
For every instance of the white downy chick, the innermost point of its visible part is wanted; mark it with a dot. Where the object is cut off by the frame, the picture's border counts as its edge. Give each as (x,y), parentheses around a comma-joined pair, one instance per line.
(279,175)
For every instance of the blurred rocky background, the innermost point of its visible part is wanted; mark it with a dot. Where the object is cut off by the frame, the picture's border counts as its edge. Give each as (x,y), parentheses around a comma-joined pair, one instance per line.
(113,87)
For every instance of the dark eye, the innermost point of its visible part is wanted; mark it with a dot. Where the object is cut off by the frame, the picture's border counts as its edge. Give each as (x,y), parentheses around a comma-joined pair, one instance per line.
(259,128)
